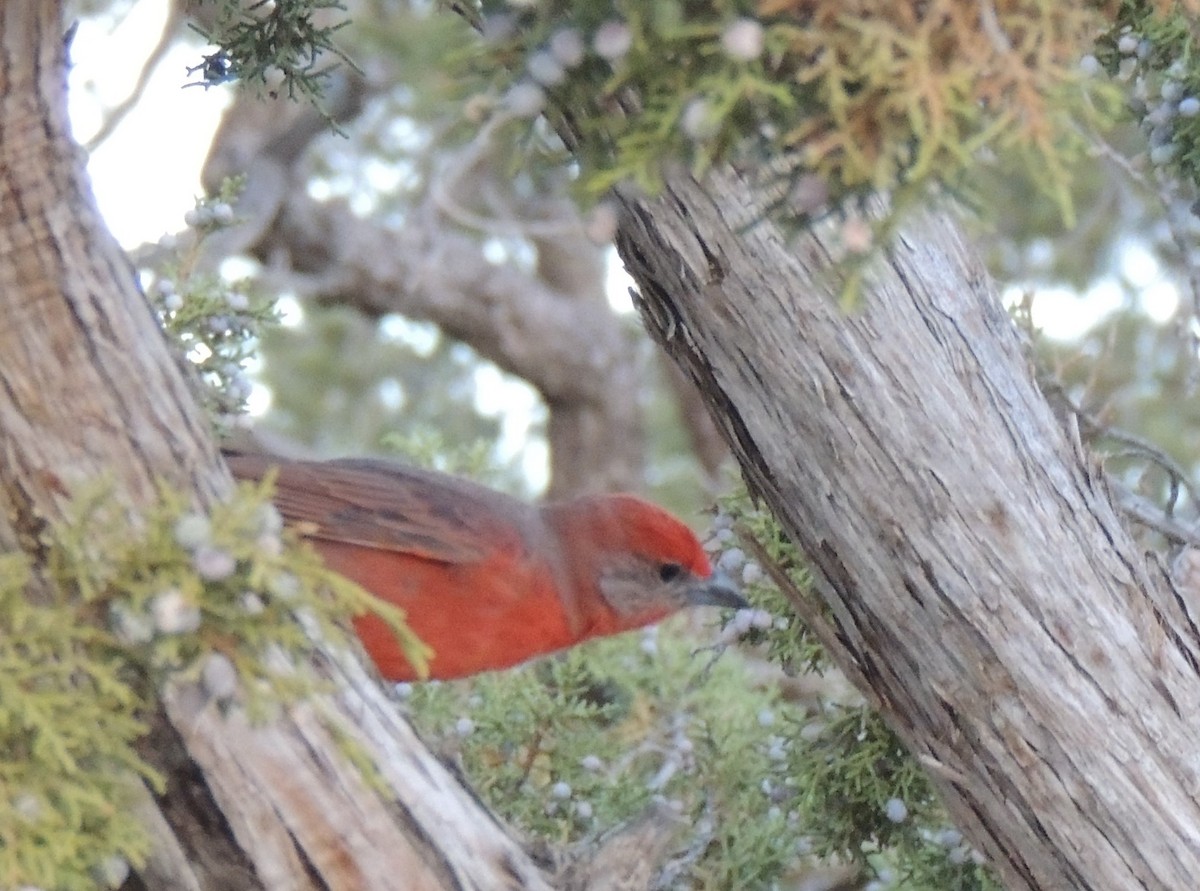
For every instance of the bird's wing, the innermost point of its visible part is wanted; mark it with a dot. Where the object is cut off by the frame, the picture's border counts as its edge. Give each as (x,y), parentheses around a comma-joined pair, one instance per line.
(392,507)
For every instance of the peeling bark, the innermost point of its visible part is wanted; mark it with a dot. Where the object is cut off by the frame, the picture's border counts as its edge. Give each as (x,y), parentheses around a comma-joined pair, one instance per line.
(982,587)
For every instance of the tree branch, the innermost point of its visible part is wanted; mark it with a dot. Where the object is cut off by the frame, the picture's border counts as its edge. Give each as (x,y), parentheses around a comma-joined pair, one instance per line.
(115,115)
(982,585)
(553,328)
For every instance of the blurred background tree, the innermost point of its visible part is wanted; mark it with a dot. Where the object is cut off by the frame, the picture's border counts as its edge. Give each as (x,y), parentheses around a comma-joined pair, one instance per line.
(408,156)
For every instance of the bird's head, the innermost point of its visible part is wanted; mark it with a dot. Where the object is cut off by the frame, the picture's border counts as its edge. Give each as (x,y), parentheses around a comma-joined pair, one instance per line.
(646,563)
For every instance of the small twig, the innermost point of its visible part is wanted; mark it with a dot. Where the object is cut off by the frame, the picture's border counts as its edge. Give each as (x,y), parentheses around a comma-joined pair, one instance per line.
(717,650)
(809,613)
(443,189)
(121,110)
(1106,150)
(1166,191)
(1173,481)
(701,838)
(535,749)
(626,857)
(1135,507)
(1145,449)
(1150,515)
(647,747)
(991,27)
(938,768)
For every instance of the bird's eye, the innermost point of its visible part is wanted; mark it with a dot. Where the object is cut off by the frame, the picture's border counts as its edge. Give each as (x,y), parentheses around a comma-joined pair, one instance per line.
(668,572)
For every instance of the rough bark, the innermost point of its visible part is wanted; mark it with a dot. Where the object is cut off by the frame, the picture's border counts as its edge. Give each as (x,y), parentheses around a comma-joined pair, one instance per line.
(88,387)
(702,431)
(979,585)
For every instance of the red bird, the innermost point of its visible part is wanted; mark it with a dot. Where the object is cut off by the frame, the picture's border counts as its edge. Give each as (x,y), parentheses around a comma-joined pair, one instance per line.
(485,579)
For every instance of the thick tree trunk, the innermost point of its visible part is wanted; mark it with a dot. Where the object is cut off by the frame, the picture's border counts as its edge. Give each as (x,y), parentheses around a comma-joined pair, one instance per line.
(981,588)
(88,387)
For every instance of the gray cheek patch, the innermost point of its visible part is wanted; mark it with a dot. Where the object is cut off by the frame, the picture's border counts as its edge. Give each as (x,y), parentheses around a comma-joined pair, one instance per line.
(636,588)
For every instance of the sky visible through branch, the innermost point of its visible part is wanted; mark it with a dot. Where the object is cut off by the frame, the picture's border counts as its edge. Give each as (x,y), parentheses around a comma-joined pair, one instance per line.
(146,174)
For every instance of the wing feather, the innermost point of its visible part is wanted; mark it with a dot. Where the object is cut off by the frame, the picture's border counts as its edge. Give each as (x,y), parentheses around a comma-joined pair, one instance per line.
(392,507)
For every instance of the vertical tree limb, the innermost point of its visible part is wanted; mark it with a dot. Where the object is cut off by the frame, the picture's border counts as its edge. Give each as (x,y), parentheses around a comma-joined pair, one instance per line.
(978,576)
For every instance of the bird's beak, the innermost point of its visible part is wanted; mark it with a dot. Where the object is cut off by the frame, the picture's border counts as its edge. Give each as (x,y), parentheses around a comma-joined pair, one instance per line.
(716,590)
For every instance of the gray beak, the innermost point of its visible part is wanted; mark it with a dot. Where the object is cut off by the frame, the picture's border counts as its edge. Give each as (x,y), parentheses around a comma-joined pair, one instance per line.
(716,590)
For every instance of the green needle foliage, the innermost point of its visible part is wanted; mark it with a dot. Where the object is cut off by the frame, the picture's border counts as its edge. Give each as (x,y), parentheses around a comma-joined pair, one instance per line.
(576,744)
(68,722)
(227,601)
(840,98)
(288,40)
(569,747)
(212,325)
(1156,46)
